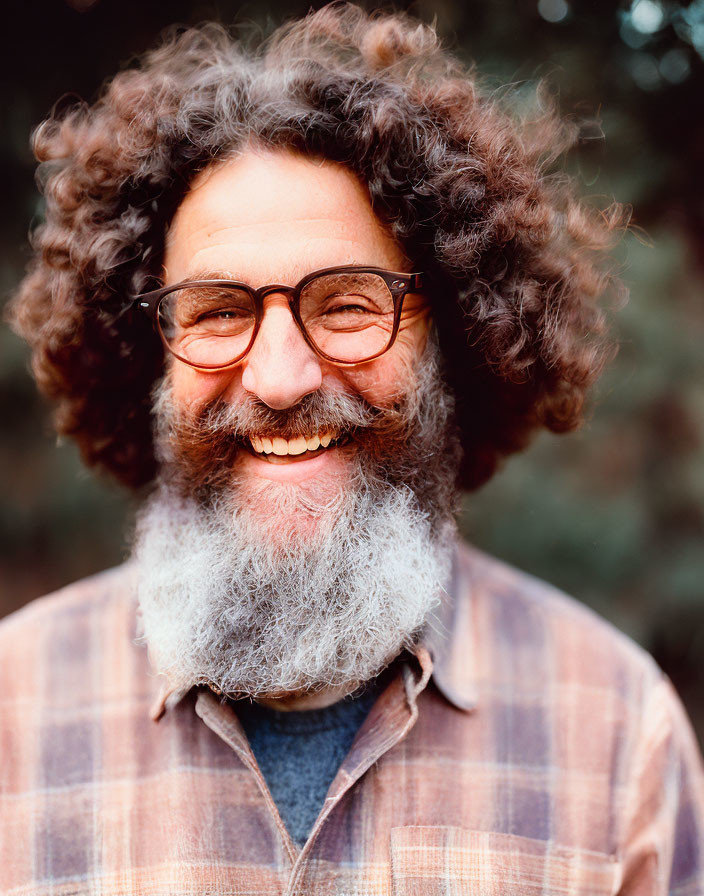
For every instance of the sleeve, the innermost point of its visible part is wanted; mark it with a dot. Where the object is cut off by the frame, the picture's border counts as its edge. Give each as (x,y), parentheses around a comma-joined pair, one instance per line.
(663,829)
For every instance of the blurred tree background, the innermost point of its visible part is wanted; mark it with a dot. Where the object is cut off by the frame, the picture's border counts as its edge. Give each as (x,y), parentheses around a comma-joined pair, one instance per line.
(613,514)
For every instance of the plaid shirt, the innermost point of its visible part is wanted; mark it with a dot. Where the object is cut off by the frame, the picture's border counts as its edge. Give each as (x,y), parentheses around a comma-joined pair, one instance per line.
(527,748)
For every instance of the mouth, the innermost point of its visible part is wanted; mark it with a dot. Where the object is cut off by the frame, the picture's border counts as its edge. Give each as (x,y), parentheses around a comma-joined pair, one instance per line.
(278,450)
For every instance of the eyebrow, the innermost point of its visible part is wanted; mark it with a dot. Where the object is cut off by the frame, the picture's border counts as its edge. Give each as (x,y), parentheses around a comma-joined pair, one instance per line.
(209,274)
(212,274)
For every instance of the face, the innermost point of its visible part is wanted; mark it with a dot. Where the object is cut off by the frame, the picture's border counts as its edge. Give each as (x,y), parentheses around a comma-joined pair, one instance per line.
(230,593)
(269,217)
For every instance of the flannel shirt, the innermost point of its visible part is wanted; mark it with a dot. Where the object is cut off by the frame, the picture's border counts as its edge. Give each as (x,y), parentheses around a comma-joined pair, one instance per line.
(526,748)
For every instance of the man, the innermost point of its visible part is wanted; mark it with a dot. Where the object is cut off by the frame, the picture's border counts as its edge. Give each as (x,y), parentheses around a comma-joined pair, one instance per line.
(306,294)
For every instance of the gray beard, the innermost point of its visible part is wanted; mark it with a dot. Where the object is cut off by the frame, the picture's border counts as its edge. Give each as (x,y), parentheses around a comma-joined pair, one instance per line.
(234,593)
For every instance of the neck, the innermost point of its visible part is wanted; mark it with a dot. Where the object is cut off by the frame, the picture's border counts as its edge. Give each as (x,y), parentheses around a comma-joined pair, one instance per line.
(296,702)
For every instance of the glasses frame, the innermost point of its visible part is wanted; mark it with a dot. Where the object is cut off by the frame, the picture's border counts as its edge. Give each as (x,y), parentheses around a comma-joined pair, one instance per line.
(399,285)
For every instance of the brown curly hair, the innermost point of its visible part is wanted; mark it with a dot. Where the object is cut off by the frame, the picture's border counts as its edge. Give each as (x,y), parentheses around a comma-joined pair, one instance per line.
(471,191)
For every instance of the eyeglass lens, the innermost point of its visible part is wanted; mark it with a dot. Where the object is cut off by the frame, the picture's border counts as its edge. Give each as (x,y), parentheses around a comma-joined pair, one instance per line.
(349,316)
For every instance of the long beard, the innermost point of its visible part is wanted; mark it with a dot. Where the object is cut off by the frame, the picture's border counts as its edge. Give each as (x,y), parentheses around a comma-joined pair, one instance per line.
(264,589)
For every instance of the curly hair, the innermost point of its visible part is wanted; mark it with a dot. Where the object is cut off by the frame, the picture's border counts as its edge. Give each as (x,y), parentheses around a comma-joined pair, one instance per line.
(472,191)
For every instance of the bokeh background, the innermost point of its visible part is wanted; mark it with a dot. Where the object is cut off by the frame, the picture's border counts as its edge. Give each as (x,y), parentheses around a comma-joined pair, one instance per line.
(613,514)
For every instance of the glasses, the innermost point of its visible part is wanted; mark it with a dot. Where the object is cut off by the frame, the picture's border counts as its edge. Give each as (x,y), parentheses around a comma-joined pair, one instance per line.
(347,315)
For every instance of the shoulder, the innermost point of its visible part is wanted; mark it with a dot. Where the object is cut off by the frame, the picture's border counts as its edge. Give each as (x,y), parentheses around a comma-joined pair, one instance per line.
(536,652)
(65,605)
(65,636)
(522,605)
(531,635)
(560,688)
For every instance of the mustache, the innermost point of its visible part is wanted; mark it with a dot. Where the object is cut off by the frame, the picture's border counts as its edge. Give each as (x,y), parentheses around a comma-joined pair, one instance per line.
(316,412)
(207,442)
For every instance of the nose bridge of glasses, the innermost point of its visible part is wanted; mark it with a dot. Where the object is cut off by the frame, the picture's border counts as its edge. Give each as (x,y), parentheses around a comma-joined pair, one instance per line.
(276,289)
(290,293)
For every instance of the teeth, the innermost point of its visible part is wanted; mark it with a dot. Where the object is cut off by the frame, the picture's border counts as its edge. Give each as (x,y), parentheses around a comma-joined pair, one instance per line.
(298,445)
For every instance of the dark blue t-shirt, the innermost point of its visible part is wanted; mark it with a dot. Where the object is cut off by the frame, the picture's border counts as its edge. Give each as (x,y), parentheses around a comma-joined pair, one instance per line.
(299,752)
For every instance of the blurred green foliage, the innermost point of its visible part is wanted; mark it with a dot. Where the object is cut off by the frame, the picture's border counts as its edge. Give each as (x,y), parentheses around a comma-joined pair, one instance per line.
(613,514)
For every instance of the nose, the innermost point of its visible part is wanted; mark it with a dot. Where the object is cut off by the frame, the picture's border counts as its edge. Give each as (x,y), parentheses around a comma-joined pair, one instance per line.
(281,367)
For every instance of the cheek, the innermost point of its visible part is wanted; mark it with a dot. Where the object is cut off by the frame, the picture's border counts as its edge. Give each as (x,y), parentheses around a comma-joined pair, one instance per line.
(383,381)
(194,388)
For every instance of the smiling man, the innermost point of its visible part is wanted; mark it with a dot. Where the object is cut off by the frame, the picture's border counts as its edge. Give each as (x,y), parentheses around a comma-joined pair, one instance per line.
(301,410)
(306,294)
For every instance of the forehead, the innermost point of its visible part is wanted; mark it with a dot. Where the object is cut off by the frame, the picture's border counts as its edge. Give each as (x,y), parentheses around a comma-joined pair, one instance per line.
(270,216)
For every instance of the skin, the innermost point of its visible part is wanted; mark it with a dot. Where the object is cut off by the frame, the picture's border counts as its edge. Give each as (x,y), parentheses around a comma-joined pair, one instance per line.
(272,216)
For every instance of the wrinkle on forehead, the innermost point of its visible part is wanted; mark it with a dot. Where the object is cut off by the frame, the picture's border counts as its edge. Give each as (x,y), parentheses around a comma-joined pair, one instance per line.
(276,202)
(308,257)
(253,232)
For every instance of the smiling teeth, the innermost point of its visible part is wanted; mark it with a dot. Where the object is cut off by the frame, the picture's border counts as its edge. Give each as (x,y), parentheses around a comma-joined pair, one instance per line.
(299,445)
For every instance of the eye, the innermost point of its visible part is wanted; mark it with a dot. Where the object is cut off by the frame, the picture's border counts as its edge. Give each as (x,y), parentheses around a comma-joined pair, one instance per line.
(226,314)
(347,303)
(347,307)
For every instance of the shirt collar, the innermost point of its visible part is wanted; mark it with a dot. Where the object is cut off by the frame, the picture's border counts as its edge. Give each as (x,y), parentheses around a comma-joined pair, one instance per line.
(445,650)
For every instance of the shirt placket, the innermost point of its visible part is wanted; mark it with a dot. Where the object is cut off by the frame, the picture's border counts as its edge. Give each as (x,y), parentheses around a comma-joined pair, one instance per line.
(223,721)
(391,718)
